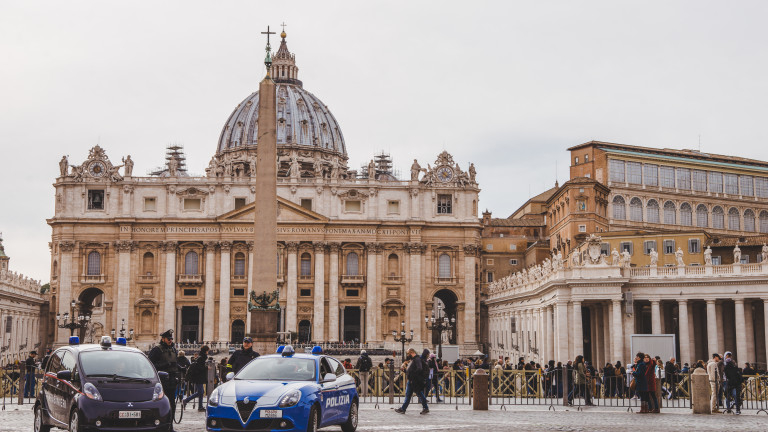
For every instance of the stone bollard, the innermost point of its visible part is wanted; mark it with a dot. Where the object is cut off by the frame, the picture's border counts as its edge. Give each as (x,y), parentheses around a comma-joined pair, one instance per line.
(700,392)
(480,390)
(211,379)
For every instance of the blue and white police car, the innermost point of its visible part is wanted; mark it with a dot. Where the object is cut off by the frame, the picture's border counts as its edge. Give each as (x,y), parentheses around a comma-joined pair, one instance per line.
(285,392)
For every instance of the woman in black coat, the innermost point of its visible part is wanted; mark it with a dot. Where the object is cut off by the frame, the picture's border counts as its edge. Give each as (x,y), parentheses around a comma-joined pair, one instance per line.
(197,375)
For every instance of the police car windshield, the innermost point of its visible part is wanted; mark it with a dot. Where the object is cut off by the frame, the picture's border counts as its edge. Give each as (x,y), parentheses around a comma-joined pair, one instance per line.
(116,364)
(279,369)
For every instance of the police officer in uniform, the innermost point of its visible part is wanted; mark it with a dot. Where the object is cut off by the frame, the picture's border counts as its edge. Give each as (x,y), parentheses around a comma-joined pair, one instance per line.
(165,358)
(242,356)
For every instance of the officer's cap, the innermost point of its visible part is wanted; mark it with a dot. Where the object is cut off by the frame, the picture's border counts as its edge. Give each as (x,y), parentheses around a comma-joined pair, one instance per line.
(168,334)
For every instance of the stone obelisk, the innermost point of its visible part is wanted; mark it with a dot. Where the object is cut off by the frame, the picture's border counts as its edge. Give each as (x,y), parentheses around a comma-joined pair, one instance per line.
(264,323)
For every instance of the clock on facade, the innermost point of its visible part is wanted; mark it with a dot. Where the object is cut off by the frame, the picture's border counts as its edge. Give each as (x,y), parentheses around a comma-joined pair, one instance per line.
(444,174)
(97,168)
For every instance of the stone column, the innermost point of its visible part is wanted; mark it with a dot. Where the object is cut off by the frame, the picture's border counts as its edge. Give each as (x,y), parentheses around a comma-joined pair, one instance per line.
(65,287)
(224,292)
(741,331)
(318,321)
(549,334)
(470,252)
(341,323)
(124,248)
(371,293)
(250,288)
(333,293)
(199,322)
(712,342)
(414,295)
(617,327)
(169,289)
(210,280)
(655,317)
(562,331)
(177,326)
(685,336)
(578,333)
(597,313)
(291,294)
(750,331)
(363,326)
(606,329)
(765,323)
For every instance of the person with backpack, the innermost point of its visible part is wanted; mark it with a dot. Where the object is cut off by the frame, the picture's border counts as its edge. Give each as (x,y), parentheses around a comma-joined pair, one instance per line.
(197,376)
(417,378)
(363,366)
(733,380)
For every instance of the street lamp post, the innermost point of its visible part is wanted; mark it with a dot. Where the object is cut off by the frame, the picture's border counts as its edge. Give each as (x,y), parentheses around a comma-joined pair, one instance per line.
(402,339)
(72,321)
(441,323)
(122,332)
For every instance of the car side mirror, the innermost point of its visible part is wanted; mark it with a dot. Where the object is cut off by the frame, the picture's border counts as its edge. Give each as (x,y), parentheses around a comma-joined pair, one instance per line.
(64,375)
(162,375)
(329,377)
(230,376)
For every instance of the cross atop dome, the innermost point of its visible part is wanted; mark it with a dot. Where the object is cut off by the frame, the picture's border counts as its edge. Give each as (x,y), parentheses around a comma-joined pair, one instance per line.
(284,68)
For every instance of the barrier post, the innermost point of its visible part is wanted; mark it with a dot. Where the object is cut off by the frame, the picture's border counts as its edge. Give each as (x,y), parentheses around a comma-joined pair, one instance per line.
(480,390)
(700,392)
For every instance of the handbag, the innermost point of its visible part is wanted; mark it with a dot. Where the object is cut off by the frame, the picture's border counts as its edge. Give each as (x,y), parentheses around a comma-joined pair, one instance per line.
(633,385)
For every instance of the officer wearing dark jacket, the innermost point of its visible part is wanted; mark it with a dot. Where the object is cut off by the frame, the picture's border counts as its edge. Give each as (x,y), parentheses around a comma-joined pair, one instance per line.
(165,358)
(243,356)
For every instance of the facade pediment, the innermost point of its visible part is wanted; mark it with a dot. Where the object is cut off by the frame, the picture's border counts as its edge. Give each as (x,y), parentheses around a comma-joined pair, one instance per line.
(286,212)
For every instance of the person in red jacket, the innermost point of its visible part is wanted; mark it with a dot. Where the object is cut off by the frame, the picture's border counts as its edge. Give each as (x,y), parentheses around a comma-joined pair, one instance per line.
(650,378)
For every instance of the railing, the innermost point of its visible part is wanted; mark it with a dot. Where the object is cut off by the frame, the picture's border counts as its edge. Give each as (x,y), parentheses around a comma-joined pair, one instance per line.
(722,269)
(393,279)
(352,279)
(640,272)
(190,279)
(148,278)
(695,270)
(667,271)
(92,279)
(445,280)
(751,268)
(239,278)
(306,278)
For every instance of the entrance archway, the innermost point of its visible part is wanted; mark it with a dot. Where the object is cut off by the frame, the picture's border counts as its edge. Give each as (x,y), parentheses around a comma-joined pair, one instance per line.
(238,331)
(90,302)
(190,325)
(352,327)
(304,331)
(448,300)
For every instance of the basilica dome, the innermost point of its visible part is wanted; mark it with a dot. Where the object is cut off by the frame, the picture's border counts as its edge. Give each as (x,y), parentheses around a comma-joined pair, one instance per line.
(304,122)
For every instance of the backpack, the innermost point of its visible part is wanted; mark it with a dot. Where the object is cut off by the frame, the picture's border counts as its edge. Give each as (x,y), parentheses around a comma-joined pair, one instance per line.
(365,364)
(194,372)
(420,371)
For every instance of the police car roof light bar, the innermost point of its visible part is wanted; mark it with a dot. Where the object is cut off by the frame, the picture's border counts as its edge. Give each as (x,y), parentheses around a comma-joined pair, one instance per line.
(280,349)
(288,351)
(121,341)
(317,350)
(106,342)
(74,340)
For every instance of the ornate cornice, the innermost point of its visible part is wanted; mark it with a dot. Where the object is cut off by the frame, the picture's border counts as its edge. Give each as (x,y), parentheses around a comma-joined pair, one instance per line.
(415,247)
(470,249)
(66,246)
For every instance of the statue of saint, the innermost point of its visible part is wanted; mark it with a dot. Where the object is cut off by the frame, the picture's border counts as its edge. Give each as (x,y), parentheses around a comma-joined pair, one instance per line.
(627,259)
(764,254)
(654,258)
(575,260)
(252,166)
(679,257)
(472,172)
(173,166)
(128,164)
(294,173)
(415,170)
(371,170)
(614,257)
(318,166)
(335,169)
(737,254)
(63,166)
(708,256)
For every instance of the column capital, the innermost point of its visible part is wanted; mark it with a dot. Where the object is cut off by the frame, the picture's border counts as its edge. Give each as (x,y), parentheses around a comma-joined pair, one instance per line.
(373,248)
(738,300)
(292,247)
(167,246)
(124,245)
(249,245)
(711,301)
(415,248)
(470,250)
(319,246)
(682,301)
(225,246)
(334,247)
(66,246)
(576,302)
(654,300)
(210,246)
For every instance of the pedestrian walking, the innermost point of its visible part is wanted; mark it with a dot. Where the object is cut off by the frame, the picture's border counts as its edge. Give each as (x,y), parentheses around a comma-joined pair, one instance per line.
(580,382)
(416,375)
(433,380)
(639,383)
(651,378)
(715,380)
(29,375)
(733,380)
(671,376)
(165,358)
(197,376)
(242,357)
(183,362)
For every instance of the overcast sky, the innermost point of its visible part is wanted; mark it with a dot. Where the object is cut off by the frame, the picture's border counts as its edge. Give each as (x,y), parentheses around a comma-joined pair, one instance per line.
(506,85)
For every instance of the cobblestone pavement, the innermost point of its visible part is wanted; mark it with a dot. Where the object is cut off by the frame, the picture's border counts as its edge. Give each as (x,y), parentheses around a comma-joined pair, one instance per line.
(447,418)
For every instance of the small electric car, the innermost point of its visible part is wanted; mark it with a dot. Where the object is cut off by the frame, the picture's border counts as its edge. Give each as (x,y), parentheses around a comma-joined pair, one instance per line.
(101,387)
(285,392)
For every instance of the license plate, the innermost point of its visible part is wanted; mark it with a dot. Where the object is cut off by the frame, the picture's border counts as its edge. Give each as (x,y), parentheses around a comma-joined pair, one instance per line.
(271,414)
(129,414)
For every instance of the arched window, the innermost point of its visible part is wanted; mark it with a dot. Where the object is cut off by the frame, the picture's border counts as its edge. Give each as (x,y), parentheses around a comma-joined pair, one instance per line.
(190,263)
(146,322)
(353,264)
(652,211)
(393,265)
(306,264)
(718,218)
(686,214)
(94,263)
(239,264)
(764,222)
(749,221)
(670,213)
(148,263)
(702,216)
(636,210)
(619,208)
(444,266)
(733,219)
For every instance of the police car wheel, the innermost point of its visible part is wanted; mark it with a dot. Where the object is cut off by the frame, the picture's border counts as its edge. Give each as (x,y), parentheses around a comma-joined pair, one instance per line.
(351,424)
(74,422)
(314,420)
(39,425)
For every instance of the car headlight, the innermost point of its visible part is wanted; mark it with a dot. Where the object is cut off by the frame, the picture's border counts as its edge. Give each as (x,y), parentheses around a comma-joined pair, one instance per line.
(214,399)
(91,391)
(290,399)
(158,393)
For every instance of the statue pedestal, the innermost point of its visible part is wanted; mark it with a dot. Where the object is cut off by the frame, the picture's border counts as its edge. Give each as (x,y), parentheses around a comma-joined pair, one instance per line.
(264,326)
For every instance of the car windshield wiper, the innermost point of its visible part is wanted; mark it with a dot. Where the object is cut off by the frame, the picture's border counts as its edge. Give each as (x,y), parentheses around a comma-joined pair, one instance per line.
(116,377)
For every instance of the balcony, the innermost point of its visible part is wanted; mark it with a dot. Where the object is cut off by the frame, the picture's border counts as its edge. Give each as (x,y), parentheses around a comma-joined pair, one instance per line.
(352,279)
(305,278)
(393,280)
(92,279)
(148,279)
(239,279)
(190,279)
(445,280)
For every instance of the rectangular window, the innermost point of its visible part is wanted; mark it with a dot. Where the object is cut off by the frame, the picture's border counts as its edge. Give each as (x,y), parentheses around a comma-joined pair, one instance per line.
(699,181)
(586,158)
(306,203)
(634,173)
(683,178)
(667,176)
(513,262)
(651,174)
(239,203)
(190,292)
(648,245)
(715,182)
(605,249)
(192,203)
(238,292)
(96,199)
(582,228)
(761,187)
(694,246)
(353,293)
(393,207)
(150,204)
(305,292)
(352,206)
(576,160)
(669,247)
(489,278)
(716,260)
(746,184)
(616,170)
(489,261)
(745,259)
(731,184)
(513,247)
(626,246)
(444,204)
(489,247)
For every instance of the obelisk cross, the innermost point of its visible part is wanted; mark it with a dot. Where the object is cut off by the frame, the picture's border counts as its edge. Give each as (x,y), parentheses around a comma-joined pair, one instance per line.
(268,58)
(268,33)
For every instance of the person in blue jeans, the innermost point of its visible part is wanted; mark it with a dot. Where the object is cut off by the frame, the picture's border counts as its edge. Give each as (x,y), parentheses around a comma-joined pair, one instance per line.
(197,376)
(29,376)
(417,378)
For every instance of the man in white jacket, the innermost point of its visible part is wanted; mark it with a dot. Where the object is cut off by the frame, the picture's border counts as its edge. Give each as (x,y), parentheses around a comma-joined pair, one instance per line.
(715,380)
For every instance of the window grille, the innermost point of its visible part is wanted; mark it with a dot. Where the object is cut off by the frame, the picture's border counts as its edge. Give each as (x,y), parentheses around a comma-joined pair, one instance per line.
(686,214)
(683,178)
(352,264)
(94,264)
(239,264)
(616,168)
(699,181)
(746,183)
(731,184)
(636,210)
(652,211)
(761,187)
(444,204)
(702,216)
(670,213)
(733,219)
(306,264)
(651,174)
(715,182)
(667,175)
(634,173)
(190,263)
(619,208)
(444,266)
(718,218)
